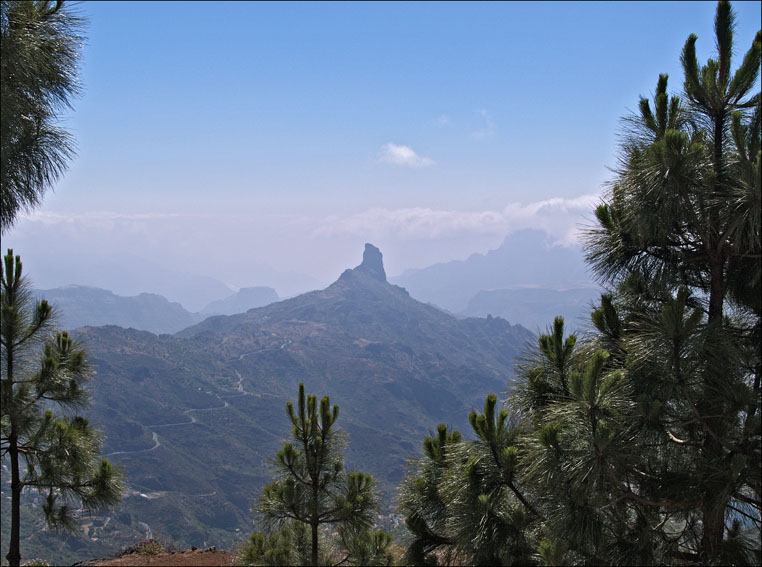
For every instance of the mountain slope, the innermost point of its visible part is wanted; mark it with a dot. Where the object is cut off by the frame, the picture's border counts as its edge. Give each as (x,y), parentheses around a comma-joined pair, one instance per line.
(195,417)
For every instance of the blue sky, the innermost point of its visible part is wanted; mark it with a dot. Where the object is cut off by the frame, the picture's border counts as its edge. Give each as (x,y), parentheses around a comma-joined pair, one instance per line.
(284,135)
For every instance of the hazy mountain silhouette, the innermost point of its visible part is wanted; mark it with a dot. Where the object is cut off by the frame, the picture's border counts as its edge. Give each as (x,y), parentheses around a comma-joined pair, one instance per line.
(535,308)
(246,298)
(78,306)
(526,258)
(129,276)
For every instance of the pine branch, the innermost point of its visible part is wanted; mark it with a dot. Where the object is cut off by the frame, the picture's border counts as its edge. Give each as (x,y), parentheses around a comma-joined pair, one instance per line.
(755,519)
(297,476)
(663,503)
(748,500)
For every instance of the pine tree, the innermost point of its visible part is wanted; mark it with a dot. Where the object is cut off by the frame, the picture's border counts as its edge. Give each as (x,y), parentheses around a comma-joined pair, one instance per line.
(640,442)
(43,377)
(362,546)
(653,455)
(423,501)
(312,487)
(289,544)
(579,442)
(680,232)
(40,44)
(464,502)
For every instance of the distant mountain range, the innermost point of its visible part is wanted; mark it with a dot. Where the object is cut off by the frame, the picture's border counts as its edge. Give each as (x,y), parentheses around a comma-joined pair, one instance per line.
(496,283)
(131,275)
(535,308)
(128,277)
(246,298)
(80,306)
(195,417)
(525,259)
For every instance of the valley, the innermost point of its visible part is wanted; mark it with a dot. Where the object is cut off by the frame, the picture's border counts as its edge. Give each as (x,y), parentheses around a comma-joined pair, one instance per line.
(194,418)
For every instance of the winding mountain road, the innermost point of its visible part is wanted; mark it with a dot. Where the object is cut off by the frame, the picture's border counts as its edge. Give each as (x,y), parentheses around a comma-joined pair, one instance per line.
(156,445)
(281,347)
(189,413)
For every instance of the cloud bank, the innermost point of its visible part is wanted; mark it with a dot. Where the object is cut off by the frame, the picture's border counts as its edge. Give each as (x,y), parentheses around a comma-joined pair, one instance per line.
(561,218)
(245,249)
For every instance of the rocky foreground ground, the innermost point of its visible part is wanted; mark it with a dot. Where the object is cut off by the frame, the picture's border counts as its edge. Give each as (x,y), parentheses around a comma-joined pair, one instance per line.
(154,557)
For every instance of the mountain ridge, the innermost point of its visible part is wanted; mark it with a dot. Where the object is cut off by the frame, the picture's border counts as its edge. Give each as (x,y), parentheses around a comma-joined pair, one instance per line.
(80,306)
(195,416)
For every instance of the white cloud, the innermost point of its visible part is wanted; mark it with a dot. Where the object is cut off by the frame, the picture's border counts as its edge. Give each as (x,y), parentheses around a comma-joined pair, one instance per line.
(403,156)
(560,218)
(243,248)
(94,217)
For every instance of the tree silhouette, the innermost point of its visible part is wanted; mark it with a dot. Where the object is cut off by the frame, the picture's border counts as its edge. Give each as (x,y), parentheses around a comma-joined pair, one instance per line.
(50,449)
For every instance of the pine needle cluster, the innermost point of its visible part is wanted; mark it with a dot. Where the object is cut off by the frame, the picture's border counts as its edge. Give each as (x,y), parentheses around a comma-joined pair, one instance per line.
(41,44)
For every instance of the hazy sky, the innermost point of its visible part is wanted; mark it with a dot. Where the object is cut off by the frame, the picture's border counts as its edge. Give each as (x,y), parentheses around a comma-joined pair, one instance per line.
(238,139)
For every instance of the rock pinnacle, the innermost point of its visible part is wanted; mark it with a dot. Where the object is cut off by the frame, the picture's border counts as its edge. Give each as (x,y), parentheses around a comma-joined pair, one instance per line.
(372,263)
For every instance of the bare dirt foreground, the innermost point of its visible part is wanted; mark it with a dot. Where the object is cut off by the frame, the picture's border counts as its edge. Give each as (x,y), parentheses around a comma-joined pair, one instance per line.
(210,557)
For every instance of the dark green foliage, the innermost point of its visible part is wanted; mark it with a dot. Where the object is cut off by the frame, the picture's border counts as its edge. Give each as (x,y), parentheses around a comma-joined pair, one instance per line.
(363,546)
(312,487)
(640,442)
(53,453)
(464,502)
(287,545)
(649,458)
(423,500)
(40,47)
(290,544)
(679,239)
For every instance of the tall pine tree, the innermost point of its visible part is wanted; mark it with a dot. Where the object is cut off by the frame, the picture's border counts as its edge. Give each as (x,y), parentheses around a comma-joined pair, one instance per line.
(50,449)
(639,442)
(312,487)
(680,233)
(657,443)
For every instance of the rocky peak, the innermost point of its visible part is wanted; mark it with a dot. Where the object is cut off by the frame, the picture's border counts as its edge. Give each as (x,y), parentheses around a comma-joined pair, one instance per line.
(372,263)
